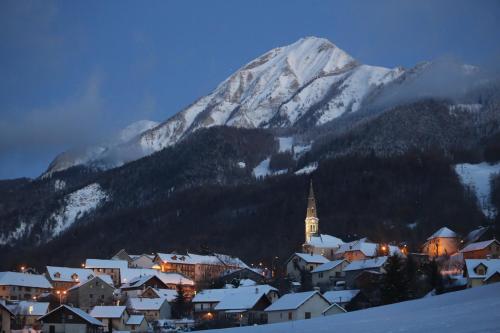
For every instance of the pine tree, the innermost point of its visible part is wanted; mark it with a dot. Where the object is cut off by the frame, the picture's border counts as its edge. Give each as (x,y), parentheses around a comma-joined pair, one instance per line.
(394,284)
(179,307)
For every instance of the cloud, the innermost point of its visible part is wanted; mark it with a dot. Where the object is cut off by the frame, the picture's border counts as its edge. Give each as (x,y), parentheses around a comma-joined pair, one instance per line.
(75,121)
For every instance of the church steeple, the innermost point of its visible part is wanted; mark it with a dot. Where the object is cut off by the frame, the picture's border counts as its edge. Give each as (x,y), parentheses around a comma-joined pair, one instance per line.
(311,202)
(312,221)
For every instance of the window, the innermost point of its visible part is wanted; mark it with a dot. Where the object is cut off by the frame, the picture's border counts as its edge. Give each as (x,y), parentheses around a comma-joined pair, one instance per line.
(307,315)
(320,274)
(290,315)
(91,296)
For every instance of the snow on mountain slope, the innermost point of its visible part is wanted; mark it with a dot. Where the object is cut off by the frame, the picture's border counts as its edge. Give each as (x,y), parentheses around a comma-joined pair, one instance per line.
(470,310)
(276,90)
(307,83)
(100,152)
(477,177)
(76,205)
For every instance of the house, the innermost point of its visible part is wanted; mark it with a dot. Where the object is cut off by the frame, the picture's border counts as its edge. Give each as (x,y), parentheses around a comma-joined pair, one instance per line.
(114,318)
(87,294)
(142,260)
(300,262)
(316,243)
(63,278)
(327,274)
(6,317)
(481,271)
(171,280)
(200,268)
(354,269)
(362,249)
(122,255)
(109,267)
(27,312)
(244,307)
(169,294)
(68,319)
(295,306)
(232,275)
(136,323)
(482,250)
(19,286)
(341,297)
(206,301)
(152,308)
(443,242)
(333,310)
(136,286)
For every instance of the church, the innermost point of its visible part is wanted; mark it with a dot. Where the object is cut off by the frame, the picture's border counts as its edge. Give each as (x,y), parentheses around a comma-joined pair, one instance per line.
(316,243)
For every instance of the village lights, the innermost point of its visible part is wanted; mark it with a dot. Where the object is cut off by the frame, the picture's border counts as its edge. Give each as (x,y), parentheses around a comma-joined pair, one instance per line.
(60,293)
(23,268)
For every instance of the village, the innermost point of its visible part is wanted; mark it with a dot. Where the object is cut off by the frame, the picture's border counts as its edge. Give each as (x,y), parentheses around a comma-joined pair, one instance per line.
(171,292)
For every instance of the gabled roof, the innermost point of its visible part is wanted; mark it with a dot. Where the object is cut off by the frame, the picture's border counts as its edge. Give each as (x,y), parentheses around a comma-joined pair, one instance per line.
(310,258)
(24,280)
(169,294)
(107,311)
(326,241)
(217,295)
(367,248)
(66,274)
(106,263)
(3,306)
(479,245)
(139,281)
(104,278)
(327,266)
(28,308)
(334,305)
(475,235)
(293,301)
(240,300)
(376,262)
(491,265)
(444,232)
(491,274)
(340,296)
(135,319)
(130,274)
(137,303)
(80,313)
(192,259)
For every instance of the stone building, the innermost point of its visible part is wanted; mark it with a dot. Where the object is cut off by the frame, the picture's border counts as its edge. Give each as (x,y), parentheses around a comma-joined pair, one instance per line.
(22,286)
(90,293)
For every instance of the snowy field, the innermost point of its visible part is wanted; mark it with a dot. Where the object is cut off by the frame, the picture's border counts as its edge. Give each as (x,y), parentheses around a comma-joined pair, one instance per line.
(471,310)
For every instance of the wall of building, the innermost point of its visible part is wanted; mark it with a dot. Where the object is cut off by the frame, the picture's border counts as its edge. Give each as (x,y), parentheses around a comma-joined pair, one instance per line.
(20,293)
(4,321)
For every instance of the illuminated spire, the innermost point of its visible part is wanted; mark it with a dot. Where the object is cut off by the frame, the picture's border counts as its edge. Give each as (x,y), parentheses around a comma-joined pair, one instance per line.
(311,203)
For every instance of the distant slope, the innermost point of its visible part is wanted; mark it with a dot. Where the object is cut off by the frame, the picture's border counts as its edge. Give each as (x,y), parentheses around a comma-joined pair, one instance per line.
(472,310)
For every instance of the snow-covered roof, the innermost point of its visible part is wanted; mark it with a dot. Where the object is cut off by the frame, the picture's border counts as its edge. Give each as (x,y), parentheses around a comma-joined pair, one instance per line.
(104,277)
(107,311)
(129,274)
(28,308)
(247,283)
(137,303)
(334,305)
(24,280)
(192,259)
(106,263)
(492,265)
(340,296)
(367,248)
(475,234)
(366,264)
(310,258)
(135,319)
(169,294)
(69,274)
(240,300)
(216,295)
(444,232)
(479,245)
(80,313)
(138,281)
(292,301)
(326,241)
(327,266)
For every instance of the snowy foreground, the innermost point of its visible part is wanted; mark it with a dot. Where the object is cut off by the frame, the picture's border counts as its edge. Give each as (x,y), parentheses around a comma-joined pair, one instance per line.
(471,310)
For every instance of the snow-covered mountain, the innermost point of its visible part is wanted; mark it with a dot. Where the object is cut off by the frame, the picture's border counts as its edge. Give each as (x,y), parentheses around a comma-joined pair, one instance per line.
(307,83)
(311,82)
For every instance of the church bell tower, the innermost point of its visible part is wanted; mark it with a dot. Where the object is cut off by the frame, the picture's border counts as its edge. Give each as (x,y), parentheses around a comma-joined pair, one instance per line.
(312,221)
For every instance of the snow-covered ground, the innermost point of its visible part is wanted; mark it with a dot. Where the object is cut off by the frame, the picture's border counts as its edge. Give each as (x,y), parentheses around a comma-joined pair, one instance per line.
(262,169)
(477,177)
(307,169)
(471,310)
(18,233)
(286,144)
(77,204)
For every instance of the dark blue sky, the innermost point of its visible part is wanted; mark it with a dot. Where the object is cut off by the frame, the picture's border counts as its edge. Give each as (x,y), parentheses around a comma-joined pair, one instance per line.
(72,72)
